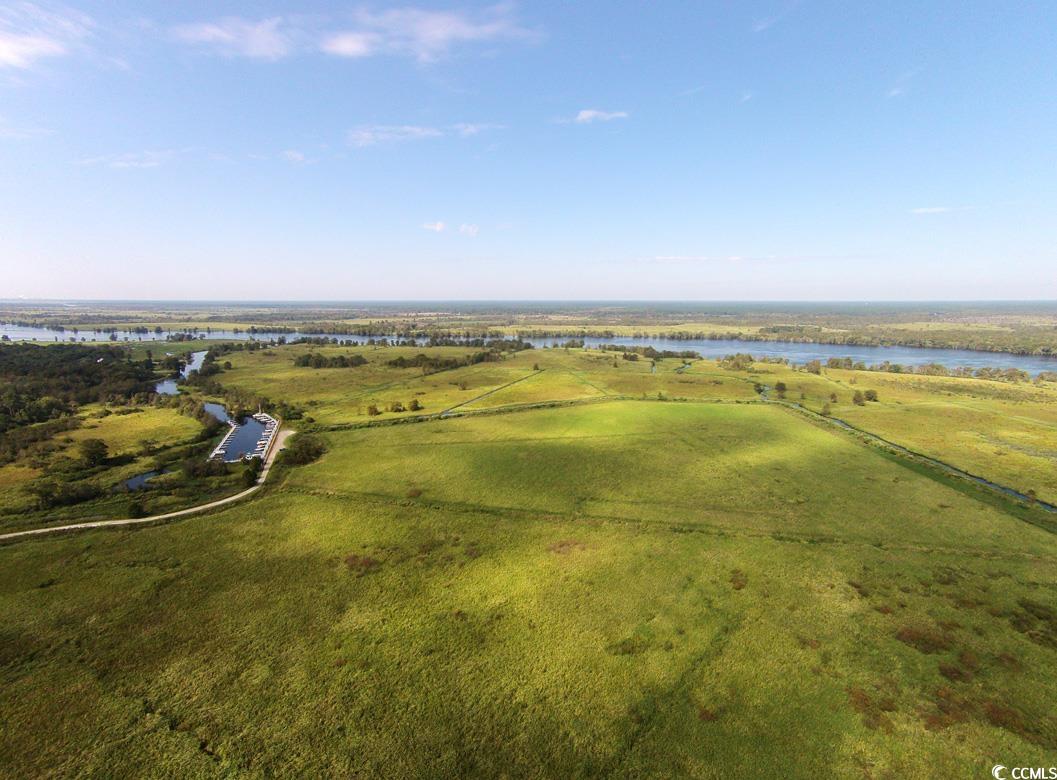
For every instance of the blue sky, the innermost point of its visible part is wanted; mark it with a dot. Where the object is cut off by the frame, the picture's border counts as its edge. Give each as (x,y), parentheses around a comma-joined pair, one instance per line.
(565,150)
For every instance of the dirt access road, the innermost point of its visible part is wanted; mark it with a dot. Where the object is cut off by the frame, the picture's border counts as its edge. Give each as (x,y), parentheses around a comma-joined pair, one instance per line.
(277,446)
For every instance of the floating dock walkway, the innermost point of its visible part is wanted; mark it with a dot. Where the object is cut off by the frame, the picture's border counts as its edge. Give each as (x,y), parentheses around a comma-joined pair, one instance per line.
(260,449)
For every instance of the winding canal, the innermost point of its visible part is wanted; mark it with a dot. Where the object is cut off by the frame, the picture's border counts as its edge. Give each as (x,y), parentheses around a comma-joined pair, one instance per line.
(247,431)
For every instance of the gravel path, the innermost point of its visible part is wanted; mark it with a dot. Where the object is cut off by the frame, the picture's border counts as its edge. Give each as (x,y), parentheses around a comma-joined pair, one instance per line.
(277,445)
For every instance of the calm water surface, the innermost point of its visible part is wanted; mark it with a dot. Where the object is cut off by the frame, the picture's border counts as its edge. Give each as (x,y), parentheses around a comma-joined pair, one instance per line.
(793,351)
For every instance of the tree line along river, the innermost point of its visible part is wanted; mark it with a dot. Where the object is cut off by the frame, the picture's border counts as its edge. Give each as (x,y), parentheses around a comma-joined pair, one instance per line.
(795,352)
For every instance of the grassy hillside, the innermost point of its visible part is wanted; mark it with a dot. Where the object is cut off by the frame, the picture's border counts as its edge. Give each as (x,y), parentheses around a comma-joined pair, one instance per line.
(624,588)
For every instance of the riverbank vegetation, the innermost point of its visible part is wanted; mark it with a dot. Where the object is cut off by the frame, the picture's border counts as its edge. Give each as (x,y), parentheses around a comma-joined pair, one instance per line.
(1028,328)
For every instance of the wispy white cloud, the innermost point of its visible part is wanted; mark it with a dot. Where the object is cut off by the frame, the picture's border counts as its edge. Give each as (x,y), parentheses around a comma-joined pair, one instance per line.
(267,39)
(746,96)
(766,22)
(901,86)
(589,115)
(294,156)
(351,44)
(424,34)
(148,159)
(371,135)
(466,129)
(30,32)
(436,227)
(469,230)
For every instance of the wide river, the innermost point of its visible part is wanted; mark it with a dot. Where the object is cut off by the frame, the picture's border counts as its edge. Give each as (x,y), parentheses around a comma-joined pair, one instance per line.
(795,352)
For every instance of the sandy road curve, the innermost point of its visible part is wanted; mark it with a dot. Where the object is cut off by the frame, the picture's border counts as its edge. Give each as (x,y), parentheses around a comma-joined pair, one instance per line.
(277,446)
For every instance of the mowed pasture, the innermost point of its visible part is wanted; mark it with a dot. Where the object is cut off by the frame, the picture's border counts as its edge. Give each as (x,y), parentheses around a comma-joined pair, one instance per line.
(332,396)
(624,588)
(744,467)
(1002,431)
(338,396)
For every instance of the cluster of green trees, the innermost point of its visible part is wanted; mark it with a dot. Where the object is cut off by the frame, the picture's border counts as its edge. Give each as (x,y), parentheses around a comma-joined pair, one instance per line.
(51,493)
(395,406)
(742,361)
(40,383)
(650,352)
(931,369)
(68,487)
(431,364)
(303,448)
(16,442)
(316,360)
(325,341)
(860,397)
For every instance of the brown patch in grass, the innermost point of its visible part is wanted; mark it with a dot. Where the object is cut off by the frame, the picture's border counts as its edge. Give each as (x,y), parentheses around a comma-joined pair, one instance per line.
(361,564)
(805,641)
(1003,716)
(429,546)
(1038,622)
(965,602)
(414,492)
(884,609)
(738,579)
(871,709)
(1039,611)
(969,660)
(947,577)
(566,546)
(955,673)
(632,645)
(707,714)
(924,640)
(859,588)
(1010,661)
(950,708)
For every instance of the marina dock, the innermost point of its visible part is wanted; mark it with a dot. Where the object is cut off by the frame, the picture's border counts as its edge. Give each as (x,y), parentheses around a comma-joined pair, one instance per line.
(225,451)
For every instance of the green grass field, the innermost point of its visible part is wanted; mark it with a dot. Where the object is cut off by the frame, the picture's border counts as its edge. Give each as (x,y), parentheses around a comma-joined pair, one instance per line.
(624,588)
(1004,432)
(136,436)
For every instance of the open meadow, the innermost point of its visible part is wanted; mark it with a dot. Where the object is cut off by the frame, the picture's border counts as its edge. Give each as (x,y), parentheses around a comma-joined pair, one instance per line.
(572,575)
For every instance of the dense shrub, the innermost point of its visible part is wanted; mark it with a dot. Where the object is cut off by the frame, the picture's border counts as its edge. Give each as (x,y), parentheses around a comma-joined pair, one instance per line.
(315,360)
(303,448)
